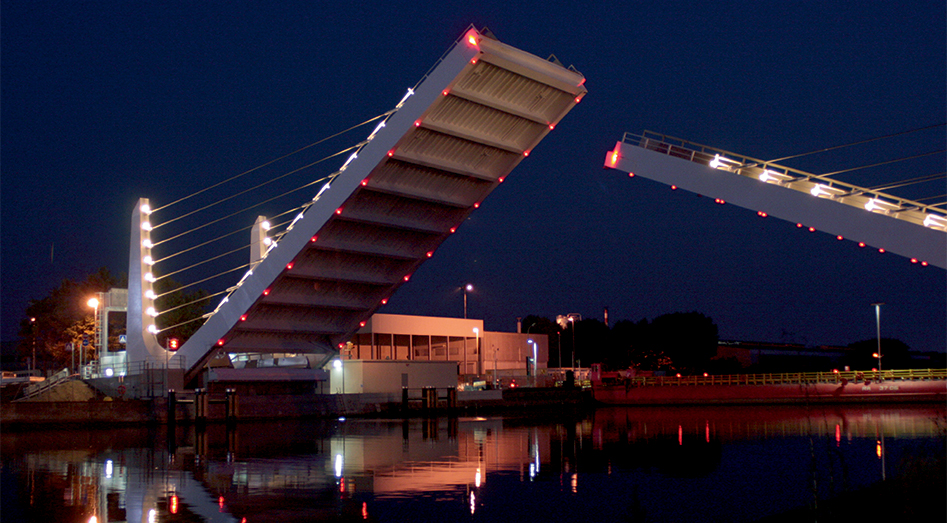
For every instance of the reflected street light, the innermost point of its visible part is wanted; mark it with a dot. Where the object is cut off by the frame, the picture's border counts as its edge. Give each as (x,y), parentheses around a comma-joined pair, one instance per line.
(877,307)
(94,304)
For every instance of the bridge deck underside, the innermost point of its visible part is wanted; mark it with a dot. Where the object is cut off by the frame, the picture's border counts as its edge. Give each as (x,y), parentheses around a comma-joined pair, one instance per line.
(472,120)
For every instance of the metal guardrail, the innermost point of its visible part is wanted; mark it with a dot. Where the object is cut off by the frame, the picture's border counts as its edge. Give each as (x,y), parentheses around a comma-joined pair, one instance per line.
(901,208)
(42,386)
(790,378)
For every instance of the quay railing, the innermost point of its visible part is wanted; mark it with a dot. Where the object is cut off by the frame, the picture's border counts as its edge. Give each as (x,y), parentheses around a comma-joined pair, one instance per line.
(789,378)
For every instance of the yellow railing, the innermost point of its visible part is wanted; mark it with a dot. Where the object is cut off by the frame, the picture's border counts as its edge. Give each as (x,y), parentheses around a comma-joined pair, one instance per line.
(792,378)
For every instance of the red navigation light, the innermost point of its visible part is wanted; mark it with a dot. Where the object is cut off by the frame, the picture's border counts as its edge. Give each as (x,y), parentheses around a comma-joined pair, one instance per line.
(429,254)
(407,277)
(525,153)
(243,317)
(578,99)
(473,60)
(364,182)
(384,301)
(861,244)
(839,237)
(678,374)
(453,230)
(631,175)
(338,211)
(913,260)
(417,123)
(673,187)
(614,158)
(445,92)
(501,179)
(472,39)
(705,374)
(811,229)
(220,342)
(882,251)
(799,225)
(923,264)
(552,126)
(391,153)
(476,205)
(361,323)
(266,292)
(289,266)
(173,343)
(313,239)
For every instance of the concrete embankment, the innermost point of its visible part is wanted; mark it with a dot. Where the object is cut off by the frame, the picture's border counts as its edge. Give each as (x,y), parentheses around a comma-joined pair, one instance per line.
(189,407)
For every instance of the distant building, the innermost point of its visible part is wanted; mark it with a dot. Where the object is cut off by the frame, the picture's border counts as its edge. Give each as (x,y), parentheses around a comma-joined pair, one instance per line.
(477,353)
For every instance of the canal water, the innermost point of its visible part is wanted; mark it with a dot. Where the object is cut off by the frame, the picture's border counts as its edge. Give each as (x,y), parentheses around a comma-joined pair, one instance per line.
(610,464)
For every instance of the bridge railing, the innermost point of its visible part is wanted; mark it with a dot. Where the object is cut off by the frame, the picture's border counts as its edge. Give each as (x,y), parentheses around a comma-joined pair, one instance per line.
(789,378)
(755,168)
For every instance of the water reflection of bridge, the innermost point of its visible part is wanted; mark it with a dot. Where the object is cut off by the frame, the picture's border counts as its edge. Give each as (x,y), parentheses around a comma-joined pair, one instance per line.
(292,470)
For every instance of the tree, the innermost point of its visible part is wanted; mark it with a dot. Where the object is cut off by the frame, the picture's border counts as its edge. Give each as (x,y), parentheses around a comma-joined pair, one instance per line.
(60,317)
(179,310)
(689,339)
(895,354)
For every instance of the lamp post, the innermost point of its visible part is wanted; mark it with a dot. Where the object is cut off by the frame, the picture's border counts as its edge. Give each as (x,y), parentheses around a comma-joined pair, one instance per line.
(467,288)
(94,304)
(877,307)
(33,330)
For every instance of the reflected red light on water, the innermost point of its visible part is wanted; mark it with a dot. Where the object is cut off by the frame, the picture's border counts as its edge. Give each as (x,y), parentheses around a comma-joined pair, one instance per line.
(838,435)
(680,435)
(364,510)
(173,504)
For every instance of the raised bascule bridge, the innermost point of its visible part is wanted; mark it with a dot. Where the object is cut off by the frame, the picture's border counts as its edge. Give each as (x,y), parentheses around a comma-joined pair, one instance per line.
(428,164)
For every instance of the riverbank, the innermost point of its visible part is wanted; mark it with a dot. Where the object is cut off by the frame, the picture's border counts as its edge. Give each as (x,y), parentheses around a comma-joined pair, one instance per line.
(195,408)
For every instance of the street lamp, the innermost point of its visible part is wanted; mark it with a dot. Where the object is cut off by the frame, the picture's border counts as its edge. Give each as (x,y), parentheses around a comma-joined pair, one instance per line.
(94,304)
(33,330)
(877,307)
(467,288)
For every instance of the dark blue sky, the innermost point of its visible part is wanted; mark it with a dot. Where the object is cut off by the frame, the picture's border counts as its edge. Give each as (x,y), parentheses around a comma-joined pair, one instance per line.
(106,102)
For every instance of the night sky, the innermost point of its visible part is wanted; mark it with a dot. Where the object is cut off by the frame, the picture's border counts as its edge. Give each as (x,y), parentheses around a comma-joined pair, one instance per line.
(106,102)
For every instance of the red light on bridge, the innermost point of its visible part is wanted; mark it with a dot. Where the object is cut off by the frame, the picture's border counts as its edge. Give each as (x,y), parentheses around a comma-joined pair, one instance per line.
(391,153)
(445,92)
(913,260)
(361,323)
(266,292)
(313,239)
(552,126)
(453,230)
(220,342)
(882,251)
(923,264)
(338,211)
(631,175)
(811,229)
(861,244)
(243,317)
(429,254)
(472,39)
(173,343)
(289,266)
(476,205)
(384,301)
(578,99)
(473,60)
(839,237)
(525,154)
(501,179)
(417,123)
(799,225)
(614,159)
(407,277)
(673,187)
(364,182)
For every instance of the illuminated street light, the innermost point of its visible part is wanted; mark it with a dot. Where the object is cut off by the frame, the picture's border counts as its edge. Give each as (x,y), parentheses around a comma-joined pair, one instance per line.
(467,288)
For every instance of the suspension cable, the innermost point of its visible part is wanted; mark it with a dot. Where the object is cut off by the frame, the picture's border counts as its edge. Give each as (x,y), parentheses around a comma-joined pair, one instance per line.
(209,296)
(883,163)
(218,275)
(218,184)
(202,262)
(857,143)
(202,317)
(910,181)
(252,206)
